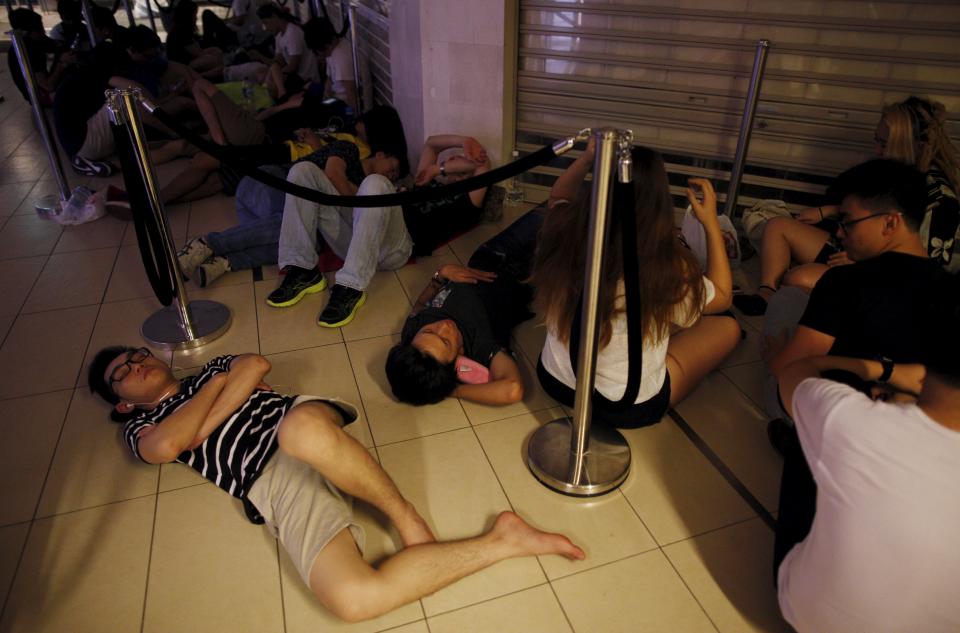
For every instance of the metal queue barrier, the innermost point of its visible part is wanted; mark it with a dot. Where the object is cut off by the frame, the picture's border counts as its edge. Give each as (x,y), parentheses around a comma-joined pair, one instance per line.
(355,52)
(567,455)
(45,204)
(88,19)
(185,324)
(746,126)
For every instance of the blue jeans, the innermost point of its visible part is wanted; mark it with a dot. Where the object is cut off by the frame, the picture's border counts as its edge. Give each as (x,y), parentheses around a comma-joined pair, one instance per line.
(248,245)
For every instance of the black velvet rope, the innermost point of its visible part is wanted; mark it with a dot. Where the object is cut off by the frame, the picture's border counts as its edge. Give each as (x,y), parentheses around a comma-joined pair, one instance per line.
(540,157)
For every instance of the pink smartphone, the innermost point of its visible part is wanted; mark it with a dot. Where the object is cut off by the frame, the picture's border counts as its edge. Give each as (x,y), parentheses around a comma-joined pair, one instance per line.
(471,372)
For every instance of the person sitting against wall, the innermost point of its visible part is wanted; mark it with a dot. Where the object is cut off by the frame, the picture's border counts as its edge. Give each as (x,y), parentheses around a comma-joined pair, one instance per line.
(294,63)
(912,131)
(183,45)
(686,332)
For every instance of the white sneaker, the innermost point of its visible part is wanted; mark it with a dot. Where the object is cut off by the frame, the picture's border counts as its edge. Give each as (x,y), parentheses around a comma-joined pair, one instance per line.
(211,270)
(192,255)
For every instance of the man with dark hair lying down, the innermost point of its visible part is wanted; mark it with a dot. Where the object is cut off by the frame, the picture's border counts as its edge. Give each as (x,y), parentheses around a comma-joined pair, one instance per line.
(288,459)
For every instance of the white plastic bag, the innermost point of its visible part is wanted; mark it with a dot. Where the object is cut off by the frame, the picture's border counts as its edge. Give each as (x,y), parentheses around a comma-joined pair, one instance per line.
(696,238)
(84,205)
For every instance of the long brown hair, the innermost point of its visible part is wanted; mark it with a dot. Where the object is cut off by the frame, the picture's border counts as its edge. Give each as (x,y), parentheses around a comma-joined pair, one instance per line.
(918,136)
(668,270)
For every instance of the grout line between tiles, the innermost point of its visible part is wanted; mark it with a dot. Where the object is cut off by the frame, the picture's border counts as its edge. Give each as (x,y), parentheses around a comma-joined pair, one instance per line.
(690,591)
(153,534)
(724,470)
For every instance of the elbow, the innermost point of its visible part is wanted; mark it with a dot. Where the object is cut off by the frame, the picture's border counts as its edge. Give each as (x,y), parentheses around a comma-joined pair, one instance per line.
(253,363)
(513,392)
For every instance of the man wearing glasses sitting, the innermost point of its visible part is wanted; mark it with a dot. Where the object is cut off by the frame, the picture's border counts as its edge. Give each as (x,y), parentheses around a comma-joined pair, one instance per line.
(288,459)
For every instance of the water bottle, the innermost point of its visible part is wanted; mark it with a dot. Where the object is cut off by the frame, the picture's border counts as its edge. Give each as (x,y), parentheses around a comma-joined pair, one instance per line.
(514,195)
(247,91)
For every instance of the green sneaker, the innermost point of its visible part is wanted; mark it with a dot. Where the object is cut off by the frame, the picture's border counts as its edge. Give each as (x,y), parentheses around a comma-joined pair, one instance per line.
(297,283)
(342,306)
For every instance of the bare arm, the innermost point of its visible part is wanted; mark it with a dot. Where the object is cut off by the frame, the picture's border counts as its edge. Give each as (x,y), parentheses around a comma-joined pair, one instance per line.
(718,266)
(162,443)
(806,342)
(905,378)
(568,184)
(336,170)
(505,386)
(450,272)
(291,65)
(245,375)
(439,142)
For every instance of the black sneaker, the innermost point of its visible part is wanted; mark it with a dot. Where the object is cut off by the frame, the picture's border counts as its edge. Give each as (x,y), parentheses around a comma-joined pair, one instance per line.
(84,167)
(297,283)
(342,306)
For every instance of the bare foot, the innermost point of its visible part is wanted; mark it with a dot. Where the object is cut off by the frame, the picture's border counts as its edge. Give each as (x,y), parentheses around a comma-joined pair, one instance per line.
(526,540)
(413,529)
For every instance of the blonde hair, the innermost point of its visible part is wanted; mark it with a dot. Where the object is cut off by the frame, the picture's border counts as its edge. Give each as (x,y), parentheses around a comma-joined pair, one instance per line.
(918,136)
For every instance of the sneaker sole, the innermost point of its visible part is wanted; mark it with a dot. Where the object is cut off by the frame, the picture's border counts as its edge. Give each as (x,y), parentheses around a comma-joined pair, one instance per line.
(320,286)
(353,313)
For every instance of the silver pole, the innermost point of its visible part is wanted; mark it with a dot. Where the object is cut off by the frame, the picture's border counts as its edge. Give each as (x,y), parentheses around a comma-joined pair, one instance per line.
(20,49)
(746,126)
(186,324)
(85,8)
(153,22)
(356,57)
(578,460)
(9,5)
(131,21)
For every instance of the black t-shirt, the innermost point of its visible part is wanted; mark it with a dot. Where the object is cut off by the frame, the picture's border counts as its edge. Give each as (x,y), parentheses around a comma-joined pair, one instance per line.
(79,96)
(880,306)
(435,222)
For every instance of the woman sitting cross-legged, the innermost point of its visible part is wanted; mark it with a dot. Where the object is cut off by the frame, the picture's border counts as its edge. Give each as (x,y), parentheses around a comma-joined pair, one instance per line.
(684,334)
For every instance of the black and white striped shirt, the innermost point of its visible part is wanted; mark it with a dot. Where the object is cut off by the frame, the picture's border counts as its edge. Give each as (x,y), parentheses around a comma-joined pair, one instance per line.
(237,450)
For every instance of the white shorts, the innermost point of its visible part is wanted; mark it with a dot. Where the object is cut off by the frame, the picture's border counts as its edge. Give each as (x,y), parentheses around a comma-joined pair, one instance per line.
(99,141)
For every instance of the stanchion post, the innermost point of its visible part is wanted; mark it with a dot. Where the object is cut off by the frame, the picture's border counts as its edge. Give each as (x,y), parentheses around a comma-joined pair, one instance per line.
(354,49)
(20,50)
(153,22)
(88,19)
(566,456)
(746,126)
(131,21)
(187,324)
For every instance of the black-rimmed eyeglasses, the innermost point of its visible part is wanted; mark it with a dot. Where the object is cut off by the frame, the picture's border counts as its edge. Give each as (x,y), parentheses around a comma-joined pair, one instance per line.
(122,370)
(846,224)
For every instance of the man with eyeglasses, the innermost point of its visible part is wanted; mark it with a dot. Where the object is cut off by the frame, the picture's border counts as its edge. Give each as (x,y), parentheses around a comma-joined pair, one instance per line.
(288,459)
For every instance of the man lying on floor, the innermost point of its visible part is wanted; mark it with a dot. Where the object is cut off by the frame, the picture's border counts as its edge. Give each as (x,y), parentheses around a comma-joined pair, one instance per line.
(288,459)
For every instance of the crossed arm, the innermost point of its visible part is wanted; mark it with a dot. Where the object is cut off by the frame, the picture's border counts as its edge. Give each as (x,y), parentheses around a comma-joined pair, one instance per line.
(505,386)
(216,401)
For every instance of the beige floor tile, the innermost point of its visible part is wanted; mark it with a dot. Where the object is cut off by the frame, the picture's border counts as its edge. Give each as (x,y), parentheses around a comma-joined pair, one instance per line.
(320,371)
(72,279)
(12,540)
(128,279)
(415,276)
(528,338)
(28,235)
(211,214)
(384,312)
(211,569)
(748,351)
(303,613)
(457,508)
(17,277)
(534,399)
(119,324)
(286,329)
(642,593)
(534,610)
(390,420)
(34,339)
(174,476)
(464,246)
(754,323)
(29,428)
(6,322)
(83,572)
(606,527)
(178,217)
(729,571)
(674,489)
(93,465)
(241,337)
(735,429)
(107,231)
(749,378)
(11,195)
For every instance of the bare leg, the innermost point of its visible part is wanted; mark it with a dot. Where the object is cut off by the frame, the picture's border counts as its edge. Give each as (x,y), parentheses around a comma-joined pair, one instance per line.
(695,352)
(210,187)
(274,82)
(786,240)
(311,433)
(190,179)
(169,151)
(353,590)
(202,93)
(805,277)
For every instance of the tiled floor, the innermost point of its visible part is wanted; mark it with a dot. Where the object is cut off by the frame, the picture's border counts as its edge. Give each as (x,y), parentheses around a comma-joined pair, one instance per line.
(91,541)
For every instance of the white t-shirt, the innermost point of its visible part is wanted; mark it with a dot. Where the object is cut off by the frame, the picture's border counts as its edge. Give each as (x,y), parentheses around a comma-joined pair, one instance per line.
(340,68)
(613,361)
(882,554)
(290,43)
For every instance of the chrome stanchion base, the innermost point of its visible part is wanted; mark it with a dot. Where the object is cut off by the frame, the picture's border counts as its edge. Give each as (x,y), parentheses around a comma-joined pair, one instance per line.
(48,206)
(605,464)
(163,328)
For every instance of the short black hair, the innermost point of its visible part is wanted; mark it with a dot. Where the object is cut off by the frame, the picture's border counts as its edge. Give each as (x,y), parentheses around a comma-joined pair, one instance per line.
(25,20)
(142,38)
(318,33)
(417,378)
(98,366)
(385,134)
(881,184)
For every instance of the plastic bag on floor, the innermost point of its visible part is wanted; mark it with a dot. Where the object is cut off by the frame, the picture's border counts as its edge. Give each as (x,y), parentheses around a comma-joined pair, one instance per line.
(84,205)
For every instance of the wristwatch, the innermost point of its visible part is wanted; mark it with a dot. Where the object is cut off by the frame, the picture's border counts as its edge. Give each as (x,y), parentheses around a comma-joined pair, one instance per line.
(887,365)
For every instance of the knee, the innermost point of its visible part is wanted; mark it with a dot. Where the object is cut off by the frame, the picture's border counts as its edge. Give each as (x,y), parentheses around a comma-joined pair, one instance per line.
(728,332)
(310,427)
(350,603)
(777,226)
(303,172)
(204,161)
(375,184)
